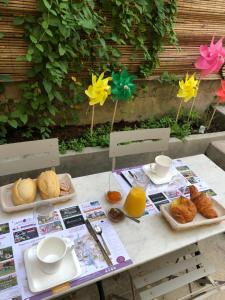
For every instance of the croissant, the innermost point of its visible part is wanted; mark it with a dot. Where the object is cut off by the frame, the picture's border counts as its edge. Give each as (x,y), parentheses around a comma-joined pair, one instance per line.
(203,203)
(183,210)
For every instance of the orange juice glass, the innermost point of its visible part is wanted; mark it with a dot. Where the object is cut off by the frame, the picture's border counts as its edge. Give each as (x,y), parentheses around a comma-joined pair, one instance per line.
(135,202)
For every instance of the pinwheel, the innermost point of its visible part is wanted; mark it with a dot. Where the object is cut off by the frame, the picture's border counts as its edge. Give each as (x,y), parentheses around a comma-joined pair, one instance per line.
(211,58)
(188,89)
(123,89)
(210,61)
(220,99)
(98,93)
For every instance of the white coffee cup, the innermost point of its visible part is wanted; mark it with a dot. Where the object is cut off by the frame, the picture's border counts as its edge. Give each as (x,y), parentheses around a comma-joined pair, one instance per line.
(51,251)
(161,166)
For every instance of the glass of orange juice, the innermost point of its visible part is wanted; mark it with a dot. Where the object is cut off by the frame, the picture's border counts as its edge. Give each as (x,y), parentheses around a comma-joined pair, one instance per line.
(135,202)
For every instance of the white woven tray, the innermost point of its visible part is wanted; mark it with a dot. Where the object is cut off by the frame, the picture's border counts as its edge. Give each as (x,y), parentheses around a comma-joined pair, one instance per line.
(199,220)
(8,206)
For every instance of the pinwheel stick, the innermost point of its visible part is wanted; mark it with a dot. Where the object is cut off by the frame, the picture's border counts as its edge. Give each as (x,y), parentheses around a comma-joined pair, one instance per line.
(114,114)
(92,118)
(193,103)
(213,114)
(179,109)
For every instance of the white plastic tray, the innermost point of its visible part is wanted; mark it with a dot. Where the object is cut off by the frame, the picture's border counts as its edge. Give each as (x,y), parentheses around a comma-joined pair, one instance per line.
(8,206)
(199,220)
(39,281)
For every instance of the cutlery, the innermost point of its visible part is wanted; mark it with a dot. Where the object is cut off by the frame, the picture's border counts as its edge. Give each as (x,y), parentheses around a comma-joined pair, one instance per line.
(133,175)
(127,181)
(102,249)
(125,215)
(98,230)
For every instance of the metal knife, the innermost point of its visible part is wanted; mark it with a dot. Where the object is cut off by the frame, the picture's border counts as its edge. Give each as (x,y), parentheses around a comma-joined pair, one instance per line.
(94,235)
(127,181)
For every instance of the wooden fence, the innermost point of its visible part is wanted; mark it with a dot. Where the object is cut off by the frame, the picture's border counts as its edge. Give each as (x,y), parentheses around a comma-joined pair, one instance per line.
(197,22)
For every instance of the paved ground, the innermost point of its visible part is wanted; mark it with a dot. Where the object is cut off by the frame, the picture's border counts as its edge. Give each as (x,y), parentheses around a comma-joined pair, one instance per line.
(213,249)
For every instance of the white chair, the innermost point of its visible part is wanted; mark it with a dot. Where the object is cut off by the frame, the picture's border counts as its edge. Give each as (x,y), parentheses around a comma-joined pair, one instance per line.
(170,272)
(124,143)
(27,156)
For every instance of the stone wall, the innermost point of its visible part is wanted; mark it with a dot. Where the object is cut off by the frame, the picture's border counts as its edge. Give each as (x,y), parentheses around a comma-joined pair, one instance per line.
(155,99)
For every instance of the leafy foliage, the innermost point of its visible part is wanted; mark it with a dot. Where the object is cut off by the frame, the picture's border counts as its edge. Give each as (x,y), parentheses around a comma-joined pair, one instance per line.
(68,36)
(100,136)
(82,37)
(169,78)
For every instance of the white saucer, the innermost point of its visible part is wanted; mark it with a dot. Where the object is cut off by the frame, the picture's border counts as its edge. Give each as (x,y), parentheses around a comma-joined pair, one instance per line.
(156,179)
(39,281)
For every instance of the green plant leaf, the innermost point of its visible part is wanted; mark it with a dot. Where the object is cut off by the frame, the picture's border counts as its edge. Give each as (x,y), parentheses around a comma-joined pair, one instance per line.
(44,24)
(87,24)
(62,50)
(49,32)
(58,96)
(23,118)
(13,123)
(47,85)
(5,2)
(3,119)
(33,39)
(2,35)
(28,57)
(40,47)
(47,4)
(18,20)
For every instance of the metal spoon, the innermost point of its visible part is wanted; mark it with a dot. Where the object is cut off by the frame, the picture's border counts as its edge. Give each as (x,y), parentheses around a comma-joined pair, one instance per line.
(98,230)
(131,218)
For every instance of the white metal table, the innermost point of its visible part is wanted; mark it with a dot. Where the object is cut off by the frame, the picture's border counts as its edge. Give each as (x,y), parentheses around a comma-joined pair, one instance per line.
(153,237)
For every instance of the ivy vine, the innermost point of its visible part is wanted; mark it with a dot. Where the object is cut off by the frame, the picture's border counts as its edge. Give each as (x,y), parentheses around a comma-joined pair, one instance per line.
(81,37)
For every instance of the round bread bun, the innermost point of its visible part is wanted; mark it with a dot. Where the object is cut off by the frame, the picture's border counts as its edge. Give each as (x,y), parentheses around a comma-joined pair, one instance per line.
(48,185)
(183,210)
(24,191)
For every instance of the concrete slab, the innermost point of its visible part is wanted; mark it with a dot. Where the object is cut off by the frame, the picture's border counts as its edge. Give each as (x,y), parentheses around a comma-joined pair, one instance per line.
(216,152)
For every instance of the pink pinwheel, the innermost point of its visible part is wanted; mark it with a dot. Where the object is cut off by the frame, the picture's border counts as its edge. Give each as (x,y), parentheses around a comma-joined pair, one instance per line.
(211,58)
(221,92)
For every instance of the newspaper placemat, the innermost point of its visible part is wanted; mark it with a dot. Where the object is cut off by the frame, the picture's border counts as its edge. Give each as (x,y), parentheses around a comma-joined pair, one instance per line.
(20,234)
(156,195)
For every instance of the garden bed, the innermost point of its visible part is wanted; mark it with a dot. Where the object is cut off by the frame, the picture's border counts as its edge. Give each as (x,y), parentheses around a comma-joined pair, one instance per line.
(78,137)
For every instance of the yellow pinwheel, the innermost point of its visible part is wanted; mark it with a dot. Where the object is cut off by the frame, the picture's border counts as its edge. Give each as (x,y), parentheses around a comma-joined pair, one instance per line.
(188,88)
(99,90)
(98,93)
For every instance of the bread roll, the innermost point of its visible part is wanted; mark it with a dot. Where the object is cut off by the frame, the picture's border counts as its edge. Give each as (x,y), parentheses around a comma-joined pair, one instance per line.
(48,185)
(183,210)
(23,191)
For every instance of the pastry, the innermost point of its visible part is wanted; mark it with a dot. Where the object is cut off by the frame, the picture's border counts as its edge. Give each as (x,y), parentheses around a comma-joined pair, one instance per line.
(23,191)
(65,189)
(203,203)
(183,210)
(48,185)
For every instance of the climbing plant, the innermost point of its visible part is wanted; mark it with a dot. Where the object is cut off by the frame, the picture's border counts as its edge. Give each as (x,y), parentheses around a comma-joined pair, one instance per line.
(80,37)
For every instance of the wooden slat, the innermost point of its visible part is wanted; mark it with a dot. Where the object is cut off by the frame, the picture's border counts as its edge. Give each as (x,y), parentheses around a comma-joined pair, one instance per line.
(197,21)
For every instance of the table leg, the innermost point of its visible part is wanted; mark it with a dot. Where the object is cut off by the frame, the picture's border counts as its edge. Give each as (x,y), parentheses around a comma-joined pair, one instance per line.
(100,290)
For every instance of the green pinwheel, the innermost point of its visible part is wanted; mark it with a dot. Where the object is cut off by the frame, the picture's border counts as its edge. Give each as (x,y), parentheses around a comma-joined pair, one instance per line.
(122,86)
(122,89)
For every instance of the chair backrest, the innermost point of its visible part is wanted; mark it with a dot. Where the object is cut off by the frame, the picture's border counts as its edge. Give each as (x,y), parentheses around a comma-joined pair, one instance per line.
(27,156)
(137,141)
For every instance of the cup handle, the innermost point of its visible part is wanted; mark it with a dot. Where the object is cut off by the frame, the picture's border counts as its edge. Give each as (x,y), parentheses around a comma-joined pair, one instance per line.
(152,167)
(69,244)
